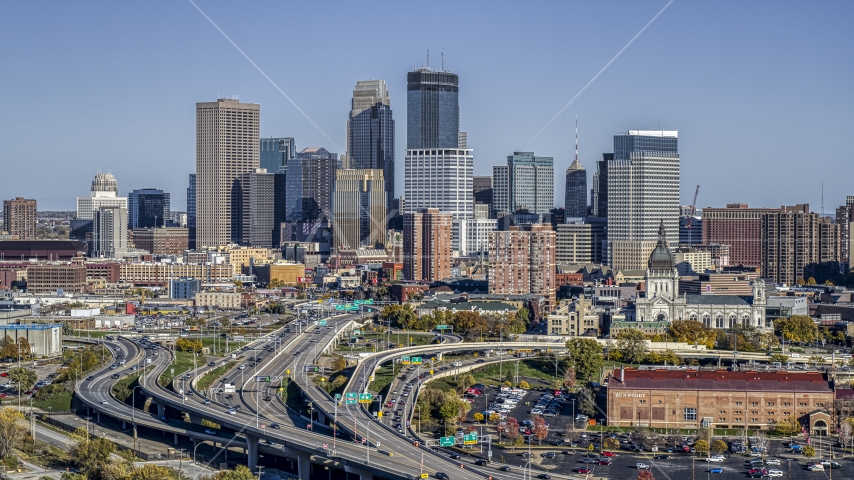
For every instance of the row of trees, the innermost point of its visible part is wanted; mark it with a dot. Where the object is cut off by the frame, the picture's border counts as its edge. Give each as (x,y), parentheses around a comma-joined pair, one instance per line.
(12,350)
(468,323)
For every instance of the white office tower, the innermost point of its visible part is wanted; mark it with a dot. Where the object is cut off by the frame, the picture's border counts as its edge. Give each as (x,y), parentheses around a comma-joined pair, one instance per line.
(103,193)
(439,178)
(643,192)
(110,232)
(470,236)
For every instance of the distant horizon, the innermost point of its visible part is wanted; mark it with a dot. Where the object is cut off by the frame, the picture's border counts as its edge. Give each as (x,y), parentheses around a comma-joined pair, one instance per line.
(759,96)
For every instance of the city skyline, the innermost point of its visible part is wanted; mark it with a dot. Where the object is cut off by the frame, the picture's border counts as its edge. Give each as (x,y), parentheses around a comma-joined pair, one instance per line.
(715,78)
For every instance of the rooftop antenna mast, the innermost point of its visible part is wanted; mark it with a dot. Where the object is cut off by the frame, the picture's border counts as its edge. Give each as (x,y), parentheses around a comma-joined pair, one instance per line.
(443,59)
(576,138)
(428,56)
(822,198)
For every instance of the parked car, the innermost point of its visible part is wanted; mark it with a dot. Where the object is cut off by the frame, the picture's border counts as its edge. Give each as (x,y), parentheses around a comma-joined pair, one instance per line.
(716,470)
(641,466)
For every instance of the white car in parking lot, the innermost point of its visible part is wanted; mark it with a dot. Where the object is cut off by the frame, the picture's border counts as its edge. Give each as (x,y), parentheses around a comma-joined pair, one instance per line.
(641,466)
(775,473)
(716,458)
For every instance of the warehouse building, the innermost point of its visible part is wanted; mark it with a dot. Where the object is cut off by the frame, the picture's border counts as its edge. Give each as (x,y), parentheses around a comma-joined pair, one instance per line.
(718,399)
(45,339)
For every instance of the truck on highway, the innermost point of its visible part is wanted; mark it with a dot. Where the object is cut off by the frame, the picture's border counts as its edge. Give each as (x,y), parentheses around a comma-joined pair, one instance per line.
(228,388)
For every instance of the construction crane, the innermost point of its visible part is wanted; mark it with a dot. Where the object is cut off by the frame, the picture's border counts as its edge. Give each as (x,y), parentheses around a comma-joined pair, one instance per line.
(693,208)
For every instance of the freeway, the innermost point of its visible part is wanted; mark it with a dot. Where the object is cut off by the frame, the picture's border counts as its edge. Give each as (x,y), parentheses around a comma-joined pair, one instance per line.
(289,440)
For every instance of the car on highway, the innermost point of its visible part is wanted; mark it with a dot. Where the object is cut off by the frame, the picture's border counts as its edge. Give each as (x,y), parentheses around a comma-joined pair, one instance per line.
(104,402)
(207,401)
(544,476)
(441,476)
(505,468)
(275,425)
(90,378)
(232,411)
(210,432)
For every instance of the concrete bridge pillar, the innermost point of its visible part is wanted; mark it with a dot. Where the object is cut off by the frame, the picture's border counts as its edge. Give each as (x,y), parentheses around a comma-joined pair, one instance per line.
(304,466)
(98,416)
(363,475)
(252,452)
(196,419)
(124,425)
(175,438)
(321,418)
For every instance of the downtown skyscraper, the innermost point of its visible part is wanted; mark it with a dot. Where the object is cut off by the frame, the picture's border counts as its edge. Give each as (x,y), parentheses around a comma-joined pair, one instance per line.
(370,133)
(525,183)
(642,192)
(227,146)
(438,170)
(575,196)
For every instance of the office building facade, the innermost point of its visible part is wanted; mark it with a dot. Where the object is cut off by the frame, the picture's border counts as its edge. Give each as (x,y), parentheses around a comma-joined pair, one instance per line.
(643,191)
(599,191)
(227,143)
(103,193)
(433,110)
(426,245)
(359,209)
(470,237)
(310,183)
(148,208)
(20,218)
(440,179)
(738,226)
(275,153)
(523,262)
(845,217)
(798,245)
(482,192)
(161,241)
(370,132)
(581,242)
(110,234)
(252,208)
(575,196)
(526,183)
(191,212)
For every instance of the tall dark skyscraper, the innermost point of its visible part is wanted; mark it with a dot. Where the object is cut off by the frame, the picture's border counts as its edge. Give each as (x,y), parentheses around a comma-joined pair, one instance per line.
(191,211)
(575,199)
(310,182)
(483,191)
(370,132)
(599,192)
(432,109)
(252,209)
(275,153)
(148,208)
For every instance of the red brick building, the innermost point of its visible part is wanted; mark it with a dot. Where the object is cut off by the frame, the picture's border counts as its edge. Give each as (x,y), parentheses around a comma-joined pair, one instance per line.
(738,226)
(716,398)
(523,261)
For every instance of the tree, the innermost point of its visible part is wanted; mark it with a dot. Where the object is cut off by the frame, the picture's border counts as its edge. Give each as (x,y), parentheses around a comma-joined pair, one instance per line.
(524,384)
(12,430)
(645,475)
(631,343)
(586,402)
(779,357)
(540,430)
(92,456)
(494,417)
(692,332)
(811,281)
(24,349)
(808,451)
(511,429)
(524,316)
(611,444)
(188,345)
(797,328)
(817,360)
(24,377)
(8,348)
(518,441)
(339,363)
(478,417)
(569,378)
(467,321)
(718,447)
(465,381)
(702,447)
(585,357)
(151,472)
(785,427)
(704,433)
(241,472)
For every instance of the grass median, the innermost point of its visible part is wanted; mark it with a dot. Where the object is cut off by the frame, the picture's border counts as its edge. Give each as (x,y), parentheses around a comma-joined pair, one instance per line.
(183,362)
(213,375)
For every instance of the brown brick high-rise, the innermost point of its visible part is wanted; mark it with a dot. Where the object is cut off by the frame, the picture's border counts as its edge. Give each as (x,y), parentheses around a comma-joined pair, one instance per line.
(426,245)
(523,262)
(19,218)
(738,226)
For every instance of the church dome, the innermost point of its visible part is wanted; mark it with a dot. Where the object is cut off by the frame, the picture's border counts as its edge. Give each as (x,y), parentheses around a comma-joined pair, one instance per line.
(661,259)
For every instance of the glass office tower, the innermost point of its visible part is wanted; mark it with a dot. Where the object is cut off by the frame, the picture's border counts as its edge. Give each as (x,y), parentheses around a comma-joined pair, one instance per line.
(433,109)
(275,153)
(148,208)
(370,132)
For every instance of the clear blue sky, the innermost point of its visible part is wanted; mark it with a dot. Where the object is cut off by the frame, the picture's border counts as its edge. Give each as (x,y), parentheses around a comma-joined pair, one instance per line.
(761,91)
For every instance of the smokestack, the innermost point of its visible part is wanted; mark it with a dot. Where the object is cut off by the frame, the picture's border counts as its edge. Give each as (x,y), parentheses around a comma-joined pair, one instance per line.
(622,374)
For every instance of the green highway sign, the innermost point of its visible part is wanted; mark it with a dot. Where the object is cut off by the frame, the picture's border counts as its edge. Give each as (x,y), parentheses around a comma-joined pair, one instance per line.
(417,361)
(470,439)
(262,379)
(405,360)
(443,327)
(366,398)
(337,396)
(357,332)
(446,441)
(322,323)
(351,398)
